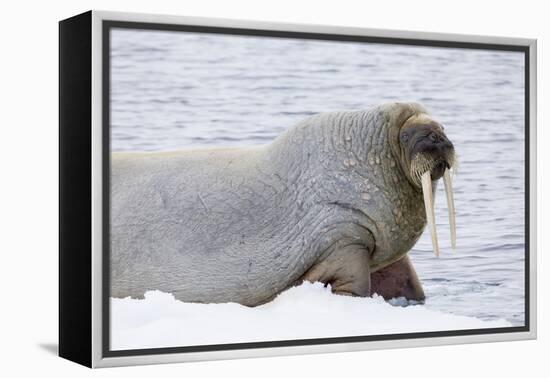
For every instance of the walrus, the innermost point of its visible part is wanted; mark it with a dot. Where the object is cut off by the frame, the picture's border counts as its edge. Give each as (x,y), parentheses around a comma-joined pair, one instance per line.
(339,198)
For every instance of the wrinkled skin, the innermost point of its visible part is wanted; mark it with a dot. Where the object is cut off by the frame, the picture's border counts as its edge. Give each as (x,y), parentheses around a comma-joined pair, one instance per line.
(330,200)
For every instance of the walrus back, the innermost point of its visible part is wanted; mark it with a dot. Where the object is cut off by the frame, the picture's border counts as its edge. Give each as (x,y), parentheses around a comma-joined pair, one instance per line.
(168,215)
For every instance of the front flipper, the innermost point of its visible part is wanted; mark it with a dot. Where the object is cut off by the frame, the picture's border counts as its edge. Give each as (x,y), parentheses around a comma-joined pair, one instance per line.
(397,280)
(346,269)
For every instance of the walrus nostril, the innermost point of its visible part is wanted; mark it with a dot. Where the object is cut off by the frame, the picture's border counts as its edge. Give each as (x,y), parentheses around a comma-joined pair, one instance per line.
(436,138)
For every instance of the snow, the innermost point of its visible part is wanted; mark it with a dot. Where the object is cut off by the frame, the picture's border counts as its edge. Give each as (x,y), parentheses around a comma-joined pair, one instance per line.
(304,312)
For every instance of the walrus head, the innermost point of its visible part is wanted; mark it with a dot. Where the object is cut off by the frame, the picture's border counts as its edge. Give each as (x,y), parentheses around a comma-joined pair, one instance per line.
(426,148)
(426,155)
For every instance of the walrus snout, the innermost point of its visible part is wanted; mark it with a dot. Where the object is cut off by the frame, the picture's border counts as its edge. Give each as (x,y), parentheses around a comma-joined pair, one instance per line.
(433,144)
(439,169)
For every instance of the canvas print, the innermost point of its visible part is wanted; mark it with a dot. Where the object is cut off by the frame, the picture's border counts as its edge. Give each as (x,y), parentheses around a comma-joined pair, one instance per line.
(268,189)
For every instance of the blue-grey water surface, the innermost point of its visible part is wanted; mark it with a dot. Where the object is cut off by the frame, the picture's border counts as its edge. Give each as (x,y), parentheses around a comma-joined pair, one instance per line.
(172,90)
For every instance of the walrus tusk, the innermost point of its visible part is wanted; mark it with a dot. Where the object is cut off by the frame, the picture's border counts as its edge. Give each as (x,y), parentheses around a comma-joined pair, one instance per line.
(429,205)
(450,205)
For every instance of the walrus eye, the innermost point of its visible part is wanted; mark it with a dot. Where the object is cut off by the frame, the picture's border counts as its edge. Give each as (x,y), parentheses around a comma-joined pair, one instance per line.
(404,137)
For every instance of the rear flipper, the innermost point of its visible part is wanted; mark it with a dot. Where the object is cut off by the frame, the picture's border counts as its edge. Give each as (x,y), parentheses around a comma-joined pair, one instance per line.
(397,280)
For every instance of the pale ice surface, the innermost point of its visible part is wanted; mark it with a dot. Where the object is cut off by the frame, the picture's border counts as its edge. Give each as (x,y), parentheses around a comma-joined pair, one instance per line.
(308,311)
